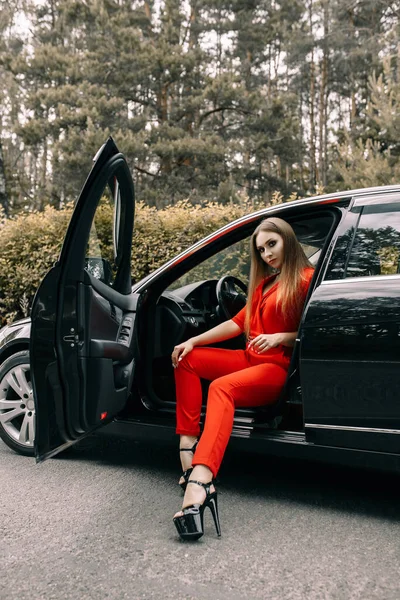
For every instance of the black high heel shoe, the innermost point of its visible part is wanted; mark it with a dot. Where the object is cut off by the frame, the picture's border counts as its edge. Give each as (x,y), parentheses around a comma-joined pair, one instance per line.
(186,474)
(190,525)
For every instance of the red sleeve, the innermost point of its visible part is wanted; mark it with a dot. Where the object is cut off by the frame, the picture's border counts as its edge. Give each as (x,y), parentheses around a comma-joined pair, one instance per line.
(305,284)
(239,318)
(293,323)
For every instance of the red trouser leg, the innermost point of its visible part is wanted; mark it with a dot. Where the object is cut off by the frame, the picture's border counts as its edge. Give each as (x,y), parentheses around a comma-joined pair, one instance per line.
(200,363)
(237,383)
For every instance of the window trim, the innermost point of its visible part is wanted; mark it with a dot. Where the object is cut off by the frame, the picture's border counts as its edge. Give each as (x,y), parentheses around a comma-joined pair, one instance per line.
(350,249)
(392,198)
(360,204)
(363,278)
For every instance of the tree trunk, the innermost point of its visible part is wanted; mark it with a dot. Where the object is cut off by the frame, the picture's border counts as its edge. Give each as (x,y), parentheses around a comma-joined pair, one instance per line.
(147,10)
(278,167)
(3,191)
(323,99)
(301,156)
(43,168)
(219,43)
(162,105)
(312,116)
(353,106)
(269,84)
(193,41)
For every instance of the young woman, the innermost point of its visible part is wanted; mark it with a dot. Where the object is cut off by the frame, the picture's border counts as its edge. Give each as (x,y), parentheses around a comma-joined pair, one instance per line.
(279,278)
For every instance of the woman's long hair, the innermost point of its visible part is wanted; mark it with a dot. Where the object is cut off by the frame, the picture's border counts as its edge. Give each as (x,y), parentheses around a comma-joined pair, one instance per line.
(294,261)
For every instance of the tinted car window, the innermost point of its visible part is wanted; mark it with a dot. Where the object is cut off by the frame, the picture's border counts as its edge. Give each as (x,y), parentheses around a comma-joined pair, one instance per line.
(376,245)
(99,257)
(235,261)
(337,261)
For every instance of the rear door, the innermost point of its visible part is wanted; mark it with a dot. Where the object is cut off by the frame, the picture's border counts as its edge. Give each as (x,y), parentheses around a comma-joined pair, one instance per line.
(350,347)
(83,315)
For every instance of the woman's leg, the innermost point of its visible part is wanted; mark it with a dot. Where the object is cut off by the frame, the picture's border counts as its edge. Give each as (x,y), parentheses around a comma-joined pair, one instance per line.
(255,386)
(201,363)
(205,363)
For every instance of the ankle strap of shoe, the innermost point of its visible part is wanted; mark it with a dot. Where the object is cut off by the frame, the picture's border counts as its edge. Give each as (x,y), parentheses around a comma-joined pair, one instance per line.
(206,486)
(192,449)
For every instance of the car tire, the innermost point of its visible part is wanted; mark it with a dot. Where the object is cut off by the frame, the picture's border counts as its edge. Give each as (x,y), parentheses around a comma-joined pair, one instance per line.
(17,409)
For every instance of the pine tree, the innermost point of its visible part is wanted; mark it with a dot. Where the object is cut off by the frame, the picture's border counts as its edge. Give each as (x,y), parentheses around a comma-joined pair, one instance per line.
(208,99)
(375,161)
(13,165)
(3,191)
(264,134)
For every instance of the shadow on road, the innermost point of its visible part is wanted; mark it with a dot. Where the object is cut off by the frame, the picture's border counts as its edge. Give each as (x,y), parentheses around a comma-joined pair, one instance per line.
(252,476)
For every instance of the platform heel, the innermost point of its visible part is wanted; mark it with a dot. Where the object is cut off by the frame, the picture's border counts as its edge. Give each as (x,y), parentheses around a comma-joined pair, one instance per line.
(190,525)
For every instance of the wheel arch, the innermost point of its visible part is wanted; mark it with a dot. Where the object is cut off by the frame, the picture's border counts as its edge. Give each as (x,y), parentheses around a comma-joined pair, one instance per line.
(13,348)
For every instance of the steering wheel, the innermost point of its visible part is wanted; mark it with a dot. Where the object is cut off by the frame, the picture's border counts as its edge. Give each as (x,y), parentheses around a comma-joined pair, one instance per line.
(231,295)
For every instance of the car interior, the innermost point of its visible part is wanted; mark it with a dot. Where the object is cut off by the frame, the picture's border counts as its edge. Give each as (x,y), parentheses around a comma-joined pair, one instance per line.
(211,291)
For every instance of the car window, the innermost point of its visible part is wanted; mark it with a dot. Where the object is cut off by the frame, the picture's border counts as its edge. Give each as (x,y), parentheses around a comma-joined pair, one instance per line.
(99,256)
(376,245)
(234,261)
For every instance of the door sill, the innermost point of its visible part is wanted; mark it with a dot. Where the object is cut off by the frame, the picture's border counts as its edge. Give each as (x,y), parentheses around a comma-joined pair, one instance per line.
(287,444)
(164,428)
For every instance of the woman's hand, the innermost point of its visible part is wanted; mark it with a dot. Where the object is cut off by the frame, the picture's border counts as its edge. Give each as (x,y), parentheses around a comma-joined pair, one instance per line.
(264,342)
(180,351)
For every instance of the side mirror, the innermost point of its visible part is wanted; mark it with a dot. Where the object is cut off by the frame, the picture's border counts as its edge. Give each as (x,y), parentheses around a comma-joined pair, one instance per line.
(100,268)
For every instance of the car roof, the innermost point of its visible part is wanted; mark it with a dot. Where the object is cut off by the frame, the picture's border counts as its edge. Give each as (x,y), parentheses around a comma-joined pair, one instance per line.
(350,193)
(313,201)
(329,198)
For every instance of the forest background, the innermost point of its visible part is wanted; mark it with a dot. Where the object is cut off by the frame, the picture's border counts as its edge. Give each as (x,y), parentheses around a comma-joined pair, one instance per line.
(236,103)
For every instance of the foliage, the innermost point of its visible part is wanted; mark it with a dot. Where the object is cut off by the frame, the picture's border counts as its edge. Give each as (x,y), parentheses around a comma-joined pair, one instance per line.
(207,99)
(364,164)
(374,158)
(30,244)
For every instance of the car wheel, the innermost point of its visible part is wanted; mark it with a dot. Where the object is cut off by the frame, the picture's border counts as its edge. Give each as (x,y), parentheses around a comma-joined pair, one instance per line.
(17,408)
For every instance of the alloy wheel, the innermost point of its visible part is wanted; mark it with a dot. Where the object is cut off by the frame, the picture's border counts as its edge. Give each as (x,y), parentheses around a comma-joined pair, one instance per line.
(17,407)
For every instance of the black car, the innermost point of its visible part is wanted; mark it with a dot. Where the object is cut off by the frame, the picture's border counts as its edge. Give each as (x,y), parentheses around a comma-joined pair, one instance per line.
(100,349)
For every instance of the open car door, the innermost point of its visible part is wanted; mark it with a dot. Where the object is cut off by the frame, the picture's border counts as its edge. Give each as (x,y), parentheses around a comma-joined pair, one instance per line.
(83,314)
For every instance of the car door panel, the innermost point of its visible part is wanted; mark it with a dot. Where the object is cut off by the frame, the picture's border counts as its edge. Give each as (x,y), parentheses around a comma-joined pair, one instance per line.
(126,302)
(105,317)
(82,328)
(350,338)
(350,354)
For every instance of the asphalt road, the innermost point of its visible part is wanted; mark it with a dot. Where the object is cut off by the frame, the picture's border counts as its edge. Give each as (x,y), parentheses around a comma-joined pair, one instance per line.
(97,523)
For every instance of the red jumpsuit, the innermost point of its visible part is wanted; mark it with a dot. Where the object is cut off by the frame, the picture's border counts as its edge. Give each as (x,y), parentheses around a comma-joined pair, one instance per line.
(240,378)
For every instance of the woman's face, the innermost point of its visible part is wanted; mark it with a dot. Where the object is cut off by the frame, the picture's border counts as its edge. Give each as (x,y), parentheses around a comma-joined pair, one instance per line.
(270,247)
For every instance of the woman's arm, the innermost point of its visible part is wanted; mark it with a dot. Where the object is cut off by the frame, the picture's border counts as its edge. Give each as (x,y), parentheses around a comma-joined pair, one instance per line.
(224,331)
(266,341)
(287,339)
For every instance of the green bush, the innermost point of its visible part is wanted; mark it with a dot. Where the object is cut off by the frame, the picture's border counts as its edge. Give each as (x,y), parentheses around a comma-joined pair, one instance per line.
(31,243)
(29,246)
